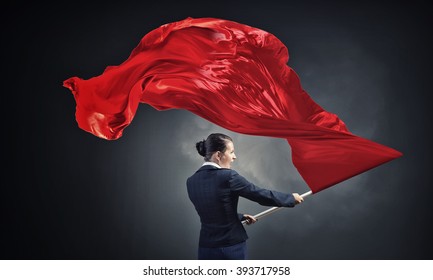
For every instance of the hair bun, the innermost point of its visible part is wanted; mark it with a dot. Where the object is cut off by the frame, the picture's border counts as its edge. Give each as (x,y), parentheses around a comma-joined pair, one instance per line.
(201,149)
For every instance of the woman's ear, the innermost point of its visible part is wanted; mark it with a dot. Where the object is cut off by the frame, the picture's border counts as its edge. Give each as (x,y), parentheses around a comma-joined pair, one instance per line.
(219,155)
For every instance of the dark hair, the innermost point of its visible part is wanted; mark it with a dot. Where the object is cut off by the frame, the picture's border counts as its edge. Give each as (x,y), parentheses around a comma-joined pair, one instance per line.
(215,142)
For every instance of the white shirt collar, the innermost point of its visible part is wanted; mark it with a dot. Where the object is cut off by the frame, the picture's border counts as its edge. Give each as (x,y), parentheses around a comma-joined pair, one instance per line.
(211,163)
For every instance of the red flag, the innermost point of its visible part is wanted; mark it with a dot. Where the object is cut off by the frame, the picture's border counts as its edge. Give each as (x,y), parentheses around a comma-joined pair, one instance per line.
(235,76)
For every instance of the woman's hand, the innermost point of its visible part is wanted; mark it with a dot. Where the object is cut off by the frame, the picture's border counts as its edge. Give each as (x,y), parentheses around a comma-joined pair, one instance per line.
(249,219)
(298,198)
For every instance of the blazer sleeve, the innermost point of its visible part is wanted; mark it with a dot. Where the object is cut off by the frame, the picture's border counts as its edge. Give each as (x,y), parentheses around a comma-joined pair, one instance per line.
(266,197)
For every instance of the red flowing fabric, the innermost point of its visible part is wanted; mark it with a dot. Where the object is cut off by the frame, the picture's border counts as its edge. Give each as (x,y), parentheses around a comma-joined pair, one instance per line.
(235,76)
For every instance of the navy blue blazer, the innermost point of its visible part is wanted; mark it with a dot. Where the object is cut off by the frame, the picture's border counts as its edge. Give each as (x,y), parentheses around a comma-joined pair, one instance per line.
(215,193)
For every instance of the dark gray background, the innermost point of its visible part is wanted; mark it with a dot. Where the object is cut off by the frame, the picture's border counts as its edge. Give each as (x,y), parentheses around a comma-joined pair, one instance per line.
(67,194)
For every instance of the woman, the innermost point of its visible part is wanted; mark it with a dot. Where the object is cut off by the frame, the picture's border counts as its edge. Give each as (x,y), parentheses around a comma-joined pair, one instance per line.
(215,189)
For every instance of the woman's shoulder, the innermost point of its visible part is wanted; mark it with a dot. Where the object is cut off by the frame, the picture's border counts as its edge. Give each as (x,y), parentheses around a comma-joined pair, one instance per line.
(229,172)
(220,171)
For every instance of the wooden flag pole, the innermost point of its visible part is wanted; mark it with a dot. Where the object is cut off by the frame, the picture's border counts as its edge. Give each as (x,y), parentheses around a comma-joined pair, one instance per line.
(273,209)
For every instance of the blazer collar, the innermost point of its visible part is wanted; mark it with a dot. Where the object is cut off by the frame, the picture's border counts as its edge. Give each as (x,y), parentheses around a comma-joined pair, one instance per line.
(210,167)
